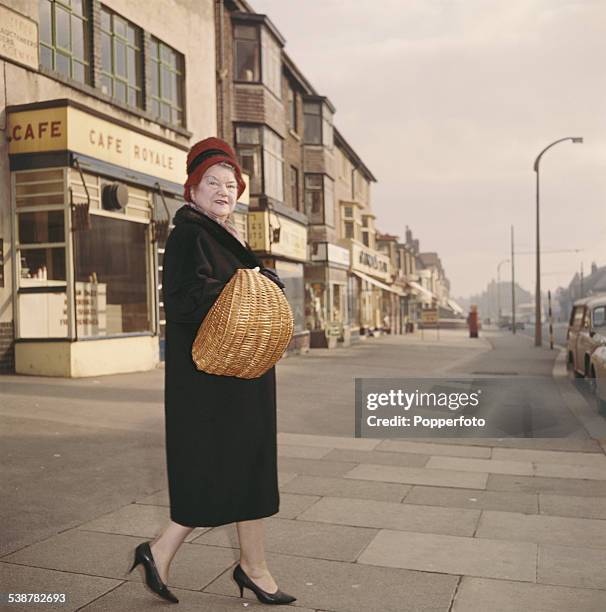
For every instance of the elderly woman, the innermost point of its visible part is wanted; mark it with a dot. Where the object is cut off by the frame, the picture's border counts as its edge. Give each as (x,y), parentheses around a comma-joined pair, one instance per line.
(221,446)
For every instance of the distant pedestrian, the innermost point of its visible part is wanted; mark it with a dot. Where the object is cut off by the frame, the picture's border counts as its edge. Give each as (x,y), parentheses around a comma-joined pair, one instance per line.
(221,434)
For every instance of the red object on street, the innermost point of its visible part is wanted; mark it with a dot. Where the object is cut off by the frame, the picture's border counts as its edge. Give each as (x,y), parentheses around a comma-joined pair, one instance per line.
(472,321)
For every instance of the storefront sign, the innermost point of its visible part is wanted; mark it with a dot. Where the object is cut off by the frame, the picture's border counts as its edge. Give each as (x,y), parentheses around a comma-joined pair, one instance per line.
(369,261)
(18,38)
(293,236)
(330,253)
(69,128)
(429,315)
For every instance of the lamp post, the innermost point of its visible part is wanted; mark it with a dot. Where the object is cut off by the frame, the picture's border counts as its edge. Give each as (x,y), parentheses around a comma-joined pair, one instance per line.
(538,331)
(499,289)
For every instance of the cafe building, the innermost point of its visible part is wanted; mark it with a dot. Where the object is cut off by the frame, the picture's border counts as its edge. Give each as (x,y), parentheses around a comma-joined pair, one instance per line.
(92,168)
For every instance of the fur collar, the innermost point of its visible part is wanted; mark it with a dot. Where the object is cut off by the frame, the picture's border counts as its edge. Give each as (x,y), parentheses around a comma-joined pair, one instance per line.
(187,214)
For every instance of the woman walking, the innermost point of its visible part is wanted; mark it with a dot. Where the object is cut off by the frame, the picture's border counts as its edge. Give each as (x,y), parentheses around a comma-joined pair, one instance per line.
(221,446)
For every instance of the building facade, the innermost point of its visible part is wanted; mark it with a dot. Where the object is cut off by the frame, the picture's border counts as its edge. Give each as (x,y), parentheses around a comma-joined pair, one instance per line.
(103,100)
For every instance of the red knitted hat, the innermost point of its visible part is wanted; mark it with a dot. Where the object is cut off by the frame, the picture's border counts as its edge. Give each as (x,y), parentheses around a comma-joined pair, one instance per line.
(207,153)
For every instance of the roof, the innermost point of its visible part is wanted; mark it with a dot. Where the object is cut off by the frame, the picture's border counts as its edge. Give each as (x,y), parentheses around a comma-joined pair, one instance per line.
(353,156)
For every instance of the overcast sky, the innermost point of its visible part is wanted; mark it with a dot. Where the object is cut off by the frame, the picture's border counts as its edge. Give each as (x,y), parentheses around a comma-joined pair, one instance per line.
(448,102)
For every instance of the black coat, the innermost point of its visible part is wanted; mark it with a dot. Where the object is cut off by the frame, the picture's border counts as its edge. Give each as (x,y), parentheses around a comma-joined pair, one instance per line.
(221,447)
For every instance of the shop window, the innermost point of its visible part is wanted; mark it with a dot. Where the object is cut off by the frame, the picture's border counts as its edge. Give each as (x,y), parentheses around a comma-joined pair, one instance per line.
(121,73)
(167,83)
(112,277)
(246,53)
(65,38)
(294,187)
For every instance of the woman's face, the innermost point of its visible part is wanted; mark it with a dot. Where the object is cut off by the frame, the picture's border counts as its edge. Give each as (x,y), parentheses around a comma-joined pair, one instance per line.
(217,192)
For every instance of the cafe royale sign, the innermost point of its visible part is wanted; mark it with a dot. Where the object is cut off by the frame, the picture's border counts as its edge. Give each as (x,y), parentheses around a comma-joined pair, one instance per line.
(369,261)
(69,128)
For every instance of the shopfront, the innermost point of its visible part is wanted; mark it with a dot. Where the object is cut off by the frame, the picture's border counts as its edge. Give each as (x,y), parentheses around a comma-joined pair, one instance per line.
(91,198)
(326,303)
(375,304)
(279,239)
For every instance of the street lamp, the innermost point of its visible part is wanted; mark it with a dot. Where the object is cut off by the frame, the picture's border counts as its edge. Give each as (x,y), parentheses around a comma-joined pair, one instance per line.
(499,289)
(538,331)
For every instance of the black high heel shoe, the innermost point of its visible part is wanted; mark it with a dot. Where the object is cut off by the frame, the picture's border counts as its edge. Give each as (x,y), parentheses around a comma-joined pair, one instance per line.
(279,597)
(144,555)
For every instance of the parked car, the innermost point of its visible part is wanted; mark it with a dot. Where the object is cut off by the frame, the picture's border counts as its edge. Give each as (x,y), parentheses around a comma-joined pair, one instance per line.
(586,332)
(519,325)
(598,374)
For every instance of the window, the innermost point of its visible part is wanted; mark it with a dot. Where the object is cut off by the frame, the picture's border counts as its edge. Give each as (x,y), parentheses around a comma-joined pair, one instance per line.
(40,253)
(273,165)
(246,53)
(294,187)
(167,77)
(319,199)
(248,149)
(121,73)
(314,198)
(292,109)
(271,60)
(348,212)
(365,239)
(599,316)
(112,277)
(349,229)
(329,202)
(313,123)
(254,143)
(64,38)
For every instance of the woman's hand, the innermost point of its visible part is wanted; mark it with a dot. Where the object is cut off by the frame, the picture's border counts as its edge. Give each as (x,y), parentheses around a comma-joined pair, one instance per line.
(273,276)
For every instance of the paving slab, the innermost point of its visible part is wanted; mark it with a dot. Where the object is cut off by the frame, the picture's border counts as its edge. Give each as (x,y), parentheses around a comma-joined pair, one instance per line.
(546,456)
(542,529)
(393,515)
(317,540)
(291,505)
(351,587)
(526,503)
(581,445)
(428,448)
(346,487)
(110,556)
(141,520)
(482,595)
(307,452)
(378,457)
(572,505)
(570,471)
(541,484)
(130,597)
(452,555)
(300,439)
(315,467)
(78,589)
(490,466)
(422,476)
(572,566)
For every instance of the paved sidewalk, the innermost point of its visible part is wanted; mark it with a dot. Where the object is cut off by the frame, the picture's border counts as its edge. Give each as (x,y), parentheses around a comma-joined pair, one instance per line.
(367,525)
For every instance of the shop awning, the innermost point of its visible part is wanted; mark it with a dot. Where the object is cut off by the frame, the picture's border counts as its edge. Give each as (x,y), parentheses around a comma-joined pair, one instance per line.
(377,283)
(420,290)
(455,307)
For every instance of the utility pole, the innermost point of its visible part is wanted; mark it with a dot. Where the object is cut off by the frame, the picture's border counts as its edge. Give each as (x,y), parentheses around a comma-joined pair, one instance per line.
(513,287)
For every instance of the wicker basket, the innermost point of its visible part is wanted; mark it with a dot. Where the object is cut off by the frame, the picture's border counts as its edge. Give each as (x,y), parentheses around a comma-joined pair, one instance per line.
(247,329)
